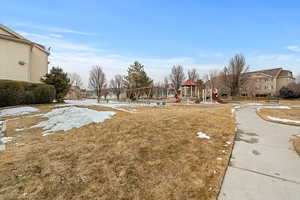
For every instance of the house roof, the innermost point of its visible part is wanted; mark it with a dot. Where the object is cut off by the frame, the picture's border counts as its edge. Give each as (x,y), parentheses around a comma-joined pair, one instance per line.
(270,72)
(188,83)
(12,35)
(273,72)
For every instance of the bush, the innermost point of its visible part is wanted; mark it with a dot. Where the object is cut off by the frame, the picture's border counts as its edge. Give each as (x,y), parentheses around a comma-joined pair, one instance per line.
(59,79)
(291,91)
(18,92)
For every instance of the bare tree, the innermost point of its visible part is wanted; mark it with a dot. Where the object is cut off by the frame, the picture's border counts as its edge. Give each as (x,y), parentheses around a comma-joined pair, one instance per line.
(177,76)
(75,80)
(235,75)
(211,78)
(117,85)
(193,75)
(97,80)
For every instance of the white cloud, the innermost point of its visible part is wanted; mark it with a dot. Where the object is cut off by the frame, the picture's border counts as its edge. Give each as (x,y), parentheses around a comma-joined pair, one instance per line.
(293,48)
(55,35)
(52,29)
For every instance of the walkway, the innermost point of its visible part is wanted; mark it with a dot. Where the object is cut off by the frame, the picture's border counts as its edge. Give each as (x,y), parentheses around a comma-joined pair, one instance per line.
(264,164)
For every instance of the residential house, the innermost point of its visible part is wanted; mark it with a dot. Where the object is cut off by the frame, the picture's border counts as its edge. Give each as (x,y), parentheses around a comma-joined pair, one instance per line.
(267,82)
(20,58)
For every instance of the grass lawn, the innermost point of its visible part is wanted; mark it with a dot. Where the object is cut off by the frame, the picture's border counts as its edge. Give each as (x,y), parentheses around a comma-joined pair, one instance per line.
(151,154)
(297,144)
(290,114)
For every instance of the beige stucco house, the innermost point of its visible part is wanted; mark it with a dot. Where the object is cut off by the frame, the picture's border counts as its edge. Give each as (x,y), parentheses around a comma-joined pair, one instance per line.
(267,82)
(21,59)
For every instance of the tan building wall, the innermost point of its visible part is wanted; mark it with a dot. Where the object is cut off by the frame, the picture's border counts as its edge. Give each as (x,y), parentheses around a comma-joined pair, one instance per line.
(21,59)
(39,64)
(11,53)
(265,84)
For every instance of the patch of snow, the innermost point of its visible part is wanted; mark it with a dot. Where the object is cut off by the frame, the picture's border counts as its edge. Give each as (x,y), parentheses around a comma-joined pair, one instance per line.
(234,109)
(6,139)
(254,104)
(20,129)
(219,158)
(17,111)
(20,144)
(273,107)
(67,118)
(203,135)
(111,104)
(283,120)
(228,142)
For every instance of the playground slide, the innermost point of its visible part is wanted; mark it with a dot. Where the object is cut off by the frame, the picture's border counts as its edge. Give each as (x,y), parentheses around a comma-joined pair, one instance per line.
(217,99)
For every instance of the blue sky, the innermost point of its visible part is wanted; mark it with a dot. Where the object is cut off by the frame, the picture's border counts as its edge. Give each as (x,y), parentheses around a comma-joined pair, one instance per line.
(197,34)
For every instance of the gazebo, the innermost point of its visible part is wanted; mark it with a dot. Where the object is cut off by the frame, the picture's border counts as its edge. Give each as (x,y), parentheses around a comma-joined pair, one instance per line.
(187,88)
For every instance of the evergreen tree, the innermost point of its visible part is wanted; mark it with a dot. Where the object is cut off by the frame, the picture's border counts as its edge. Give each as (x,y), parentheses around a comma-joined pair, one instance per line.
(59,79)
(137,77)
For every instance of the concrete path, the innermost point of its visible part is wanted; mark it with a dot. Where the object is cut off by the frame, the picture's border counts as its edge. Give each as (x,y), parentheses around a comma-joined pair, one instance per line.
(264,164)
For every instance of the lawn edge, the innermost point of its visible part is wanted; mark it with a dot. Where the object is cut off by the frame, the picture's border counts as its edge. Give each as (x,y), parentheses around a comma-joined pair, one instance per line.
(277,122)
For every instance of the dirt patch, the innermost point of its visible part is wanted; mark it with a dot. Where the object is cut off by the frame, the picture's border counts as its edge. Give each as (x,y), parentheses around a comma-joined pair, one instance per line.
(152,154)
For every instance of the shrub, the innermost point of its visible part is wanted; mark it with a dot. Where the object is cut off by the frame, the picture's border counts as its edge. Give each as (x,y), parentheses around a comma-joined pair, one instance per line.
(18,92)
(291,91)
(59,79)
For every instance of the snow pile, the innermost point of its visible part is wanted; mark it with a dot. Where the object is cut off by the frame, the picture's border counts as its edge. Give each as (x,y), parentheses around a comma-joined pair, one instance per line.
(67,118)
(283,120)
(235,108)
(114,105)
(202,135)
(254,104)
(273,107)
(5,139)
(17,111)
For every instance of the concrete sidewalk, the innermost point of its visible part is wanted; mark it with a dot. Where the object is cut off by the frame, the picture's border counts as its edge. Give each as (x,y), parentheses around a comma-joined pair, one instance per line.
(264,164)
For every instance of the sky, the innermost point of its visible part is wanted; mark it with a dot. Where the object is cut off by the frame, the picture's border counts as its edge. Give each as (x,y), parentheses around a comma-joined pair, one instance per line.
(159,34)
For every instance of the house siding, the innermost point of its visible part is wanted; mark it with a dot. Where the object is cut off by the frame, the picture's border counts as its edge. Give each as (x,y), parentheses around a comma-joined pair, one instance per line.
(15,50)
(11,53)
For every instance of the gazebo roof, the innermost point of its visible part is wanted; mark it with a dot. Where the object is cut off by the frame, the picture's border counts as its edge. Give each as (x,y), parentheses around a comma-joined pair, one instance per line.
(188,83)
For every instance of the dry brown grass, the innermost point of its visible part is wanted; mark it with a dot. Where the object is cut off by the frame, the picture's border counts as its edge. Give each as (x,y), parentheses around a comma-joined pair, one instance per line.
(292,114)
(296,142)
(152,154)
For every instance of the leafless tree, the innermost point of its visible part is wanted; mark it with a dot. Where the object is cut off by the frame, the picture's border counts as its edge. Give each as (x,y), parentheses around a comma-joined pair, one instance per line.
(97,80)
(211,78)
(75,80)
(177,76)
(193,75)
(117,85)
(235,75)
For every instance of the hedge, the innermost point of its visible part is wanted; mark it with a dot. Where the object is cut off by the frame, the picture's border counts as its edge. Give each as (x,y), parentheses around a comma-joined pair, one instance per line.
(18,92)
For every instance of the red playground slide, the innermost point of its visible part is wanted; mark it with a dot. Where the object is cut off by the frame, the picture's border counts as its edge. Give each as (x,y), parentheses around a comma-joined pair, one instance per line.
(217,99)
(177,96)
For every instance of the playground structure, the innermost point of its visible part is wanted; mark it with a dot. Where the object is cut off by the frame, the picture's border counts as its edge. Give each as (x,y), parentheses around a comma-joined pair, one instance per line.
(212,94)
(189,92)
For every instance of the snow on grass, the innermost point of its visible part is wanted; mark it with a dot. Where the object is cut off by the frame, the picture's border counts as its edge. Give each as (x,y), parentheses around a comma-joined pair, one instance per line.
(67,118)
(283,120)
(234,109)
(6,139)
(254,104)
(273,107)
(111,104)
(203,135)
(17,111)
